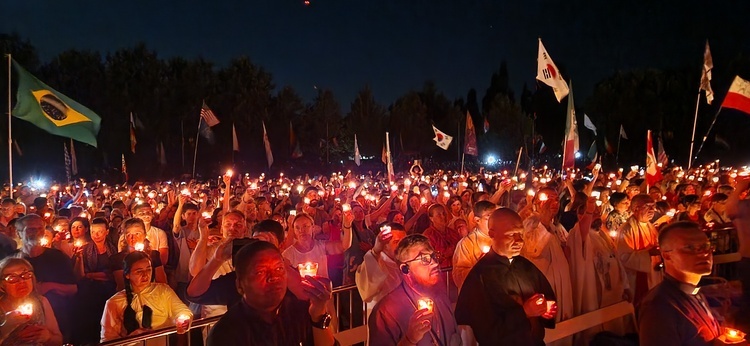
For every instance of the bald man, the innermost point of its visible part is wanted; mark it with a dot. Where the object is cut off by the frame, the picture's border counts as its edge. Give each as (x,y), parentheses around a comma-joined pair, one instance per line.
(675,312)
(504,297)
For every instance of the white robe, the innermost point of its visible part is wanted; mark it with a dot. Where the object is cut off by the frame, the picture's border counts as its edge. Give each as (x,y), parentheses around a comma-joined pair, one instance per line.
(376,277)
(636,258)
(599,279)
(544,249)
(467,254)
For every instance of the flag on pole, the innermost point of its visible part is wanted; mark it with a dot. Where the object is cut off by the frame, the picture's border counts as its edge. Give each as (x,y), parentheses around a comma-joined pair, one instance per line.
(208,115)
(548,73)
(571,135)
(470,142)
(708,65)
(235,142)
(441,138)
(205,131)
(389,165)
(162,154)
(542,148)
(124,168)
(73,159)
(384,156)
(738,96)
(294,143)
(486,125)
(67,161)
(653,173)
(133,140)
(357,157)
(267,144)
(588,123)
(52,111)
(593,156)
(661,154)
(622,132)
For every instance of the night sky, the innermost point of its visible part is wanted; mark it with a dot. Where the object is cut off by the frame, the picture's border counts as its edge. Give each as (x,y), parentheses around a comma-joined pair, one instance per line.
(396,45)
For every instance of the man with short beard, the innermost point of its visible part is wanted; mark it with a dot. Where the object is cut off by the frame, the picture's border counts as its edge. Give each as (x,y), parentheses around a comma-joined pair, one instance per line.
(398,319)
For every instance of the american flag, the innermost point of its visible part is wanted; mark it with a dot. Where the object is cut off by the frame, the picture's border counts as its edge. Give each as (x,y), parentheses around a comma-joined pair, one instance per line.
(208,115)
(662,157)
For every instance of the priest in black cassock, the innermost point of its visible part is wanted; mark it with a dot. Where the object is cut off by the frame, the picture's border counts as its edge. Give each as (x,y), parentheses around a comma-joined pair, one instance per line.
(505,297)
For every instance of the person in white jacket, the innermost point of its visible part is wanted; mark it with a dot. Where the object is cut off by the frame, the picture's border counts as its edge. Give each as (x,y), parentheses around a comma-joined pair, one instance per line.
(379,273)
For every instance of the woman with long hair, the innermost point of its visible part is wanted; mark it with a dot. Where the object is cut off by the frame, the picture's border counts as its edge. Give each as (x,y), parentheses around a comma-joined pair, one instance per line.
(134,239)
(27,317)
(79,236)
(143,305)
(95,281)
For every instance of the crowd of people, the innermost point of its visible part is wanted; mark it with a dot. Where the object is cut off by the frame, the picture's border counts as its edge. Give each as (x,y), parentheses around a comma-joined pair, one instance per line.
(448,258)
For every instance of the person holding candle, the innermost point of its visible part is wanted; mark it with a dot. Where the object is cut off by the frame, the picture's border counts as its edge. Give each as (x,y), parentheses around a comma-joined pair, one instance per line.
(504,299)
(638,248)
(398,319)
(28,318)
(157,238)
(79,236)
(379,272)
(470,248)
(675,312)
(268,313)
(95,282)
(52,268)
(621,212)
(134,239)
(442,237)
(143,305)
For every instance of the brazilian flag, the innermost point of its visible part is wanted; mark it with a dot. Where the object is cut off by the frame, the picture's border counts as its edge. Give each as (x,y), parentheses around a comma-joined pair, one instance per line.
(52,111)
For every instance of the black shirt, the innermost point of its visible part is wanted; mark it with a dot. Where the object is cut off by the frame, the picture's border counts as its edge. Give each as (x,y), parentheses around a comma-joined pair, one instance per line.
(242,325)
(222,291)
(491,301)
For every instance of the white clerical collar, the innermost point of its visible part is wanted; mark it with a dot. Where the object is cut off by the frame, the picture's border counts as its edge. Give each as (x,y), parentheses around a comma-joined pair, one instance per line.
(510,260)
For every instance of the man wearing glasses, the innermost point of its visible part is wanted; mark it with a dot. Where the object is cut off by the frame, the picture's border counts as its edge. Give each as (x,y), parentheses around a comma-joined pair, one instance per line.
(418,311)
(675,312)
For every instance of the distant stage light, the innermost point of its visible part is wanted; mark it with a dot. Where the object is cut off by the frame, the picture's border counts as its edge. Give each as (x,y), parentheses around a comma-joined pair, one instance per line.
(491,159)
(578,155)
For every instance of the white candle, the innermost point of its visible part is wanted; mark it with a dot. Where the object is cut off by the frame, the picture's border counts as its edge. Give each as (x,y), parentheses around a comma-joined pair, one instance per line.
(25,309)
(425,303)
(139,246)
(485,249)
(308,269)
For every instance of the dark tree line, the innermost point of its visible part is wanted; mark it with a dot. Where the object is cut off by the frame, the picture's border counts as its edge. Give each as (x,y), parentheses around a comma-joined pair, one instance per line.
(166,95)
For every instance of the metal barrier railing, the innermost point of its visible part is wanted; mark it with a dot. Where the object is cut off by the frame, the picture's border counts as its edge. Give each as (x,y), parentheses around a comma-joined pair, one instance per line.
(206,323)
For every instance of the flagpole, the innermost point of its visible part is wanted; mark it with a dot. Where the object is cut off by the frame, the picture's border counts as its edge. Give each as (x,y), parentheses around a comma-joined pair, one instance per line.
(463,156)
(695,122)
(197,137)
(708,132)
(520,151)
(10,133)
(617,155)
(565,150)
(233,145)
(182,141)
(388,158)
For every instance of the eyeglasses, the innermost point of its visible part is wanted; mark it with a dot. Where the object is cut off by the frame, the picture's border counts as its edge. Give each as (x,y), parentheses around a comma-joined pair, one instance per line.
(427,258)
(13,278)
(696,249)
(265,274)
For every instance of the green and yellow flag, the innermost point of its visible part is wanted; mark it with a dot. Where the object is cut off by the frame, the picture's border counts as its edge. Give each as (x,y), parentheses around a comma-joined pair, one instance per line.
(52,111)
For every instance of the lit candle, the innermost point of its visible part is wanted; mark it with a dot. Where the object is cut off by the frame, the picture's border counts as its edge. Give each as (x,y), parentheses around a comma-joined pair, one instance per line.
(25,309)
(485,249)
(352,185)
(229,173)
(425,303)
(308,269)
(423,200)
(139,246)
(78,243)
(181,319)
(385,230)
(185,192)
(733,336)
(206,215)
(613,234)
(307,200)
(542,197)
(531,192)
(346,207)
(44,242)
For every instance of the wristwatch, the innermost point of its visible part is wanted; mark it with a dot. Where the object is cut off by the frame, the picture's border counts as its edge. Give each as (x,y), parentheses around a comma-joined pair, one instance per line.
(323,321)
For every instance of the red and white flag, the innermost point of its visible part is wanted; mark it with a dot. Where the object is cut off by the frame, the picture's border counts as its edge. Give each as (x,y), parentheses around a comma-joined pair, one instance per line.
(548,73)
(470,143)
(441,138)
(208,115)
(708,65)
(267,145)
(570,144)
(133,140)
(357,156)
(486,125)
(653,173)
(738,96)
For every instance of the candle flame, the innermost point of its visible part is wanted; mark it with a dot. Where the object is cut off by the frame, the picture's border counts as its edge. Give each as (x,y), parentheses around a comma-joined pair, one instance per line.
(139,246)
(25,309)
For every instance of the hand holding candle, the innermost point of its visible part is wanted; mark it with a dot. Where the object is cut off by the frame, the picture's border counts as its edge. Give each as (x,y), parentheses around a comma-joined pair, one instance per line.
(732,336)
(25,310)
(425,303)
(182,322)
